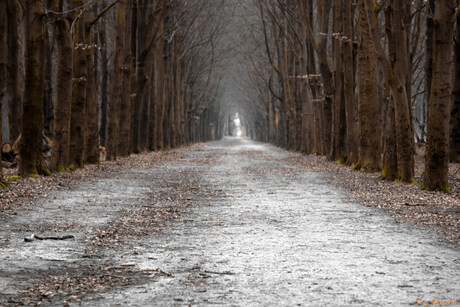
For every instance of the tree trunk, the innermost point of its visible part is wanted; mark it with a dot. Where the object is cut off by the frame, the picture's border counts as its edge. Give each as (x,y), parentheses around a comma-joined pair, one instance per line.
(455,113)
(349,84)
(369,113)
(91,147)
(48,107)
(430,7)
(328,89)
(60,155)
(125,107)
(390,160)
(339,132)
(153,144)
(134,52)
(3,53)
(13,88)
(437,151)
(115,99)
(394,74)
(104,87)
(80,79)
(161,97)
(404,135)
(32,162)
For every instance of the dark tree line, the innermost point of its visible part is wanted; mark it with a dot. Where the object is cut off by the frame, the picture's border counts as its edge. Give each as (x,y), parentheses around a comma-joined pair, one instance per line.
(128,75)
(360,82)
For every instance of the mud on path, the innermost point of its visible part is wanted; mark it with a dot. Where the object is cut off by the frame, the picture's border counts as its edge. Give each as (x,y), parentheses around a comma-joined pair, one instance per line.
(230,223)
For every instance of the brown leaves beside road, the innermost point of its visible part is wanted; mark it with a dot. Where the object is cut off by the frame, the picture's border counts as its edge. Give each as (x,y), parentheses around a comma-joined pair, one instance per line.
(24,189)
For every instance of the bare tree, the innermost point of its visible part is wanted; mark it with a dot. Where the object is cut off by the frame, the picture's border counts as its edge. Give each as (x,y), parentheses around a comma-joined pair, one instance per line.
(14,96)
(437,153)
(369,113)
(32,162)
(60,156)
(3,59)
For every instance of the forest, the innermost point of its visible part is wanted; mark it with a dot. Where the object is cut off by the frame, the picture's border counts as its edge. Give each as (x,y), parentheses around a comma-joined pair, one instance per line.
(361,82)
(229,152)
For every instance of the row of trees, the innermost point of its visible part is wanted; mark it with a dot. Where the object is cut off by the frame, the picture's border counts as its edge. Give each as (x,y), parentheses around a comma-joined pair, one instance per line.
(130,75)
(351,80)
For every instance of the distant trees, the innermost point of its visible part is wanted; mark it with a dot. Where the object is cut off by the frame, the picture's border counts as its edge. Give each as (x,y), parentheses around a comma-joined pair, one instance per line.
(352,73)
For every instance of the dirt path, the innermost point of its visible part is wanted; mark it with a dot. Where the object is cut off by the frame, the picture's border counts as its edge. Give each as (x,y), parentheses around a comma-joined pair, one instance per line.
(231,223)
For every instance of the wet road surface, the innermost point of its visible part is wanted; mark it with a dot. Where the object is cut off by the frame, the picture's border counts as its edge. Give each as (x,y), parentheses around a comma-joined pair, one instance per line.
(260,233)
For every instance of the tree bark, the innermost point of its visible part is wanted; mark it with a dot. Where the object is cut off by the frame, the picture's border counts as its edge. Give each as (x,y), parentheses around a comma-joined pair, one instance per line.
(125,107)
(328,90)
(91,147)
(437,151)
(455,113)
(104,86)
(403,117)
(32,162)
(160,86)
(80,79)
(369,113)
(395,77)
(349,84)
(13,88)
(3,53)
(117,90)
(339,130)
(60,155)
(48,106)
(428,55)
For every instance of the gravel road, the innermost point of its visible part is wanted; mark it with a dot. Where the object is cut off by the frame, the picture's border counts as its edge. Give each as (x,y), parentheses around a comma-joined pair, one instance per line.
(228,223)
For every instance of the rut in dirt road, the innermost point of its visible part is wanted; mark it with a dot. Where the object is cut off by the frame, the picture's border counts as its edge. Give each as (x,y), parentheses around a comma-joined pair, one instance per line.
(261,232)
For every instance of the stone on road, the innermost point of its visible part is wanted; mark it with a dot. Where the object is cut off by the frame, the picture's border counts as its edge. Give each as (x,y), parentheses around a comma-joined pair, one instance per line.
(262,232)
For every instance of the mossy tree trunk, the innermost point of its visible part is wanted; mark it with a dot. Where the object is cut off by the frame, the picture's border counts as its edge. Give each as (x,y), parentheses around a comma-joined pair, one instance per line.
(369,113)
(32,162)
(437,151)
(13,88)
(60,155)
